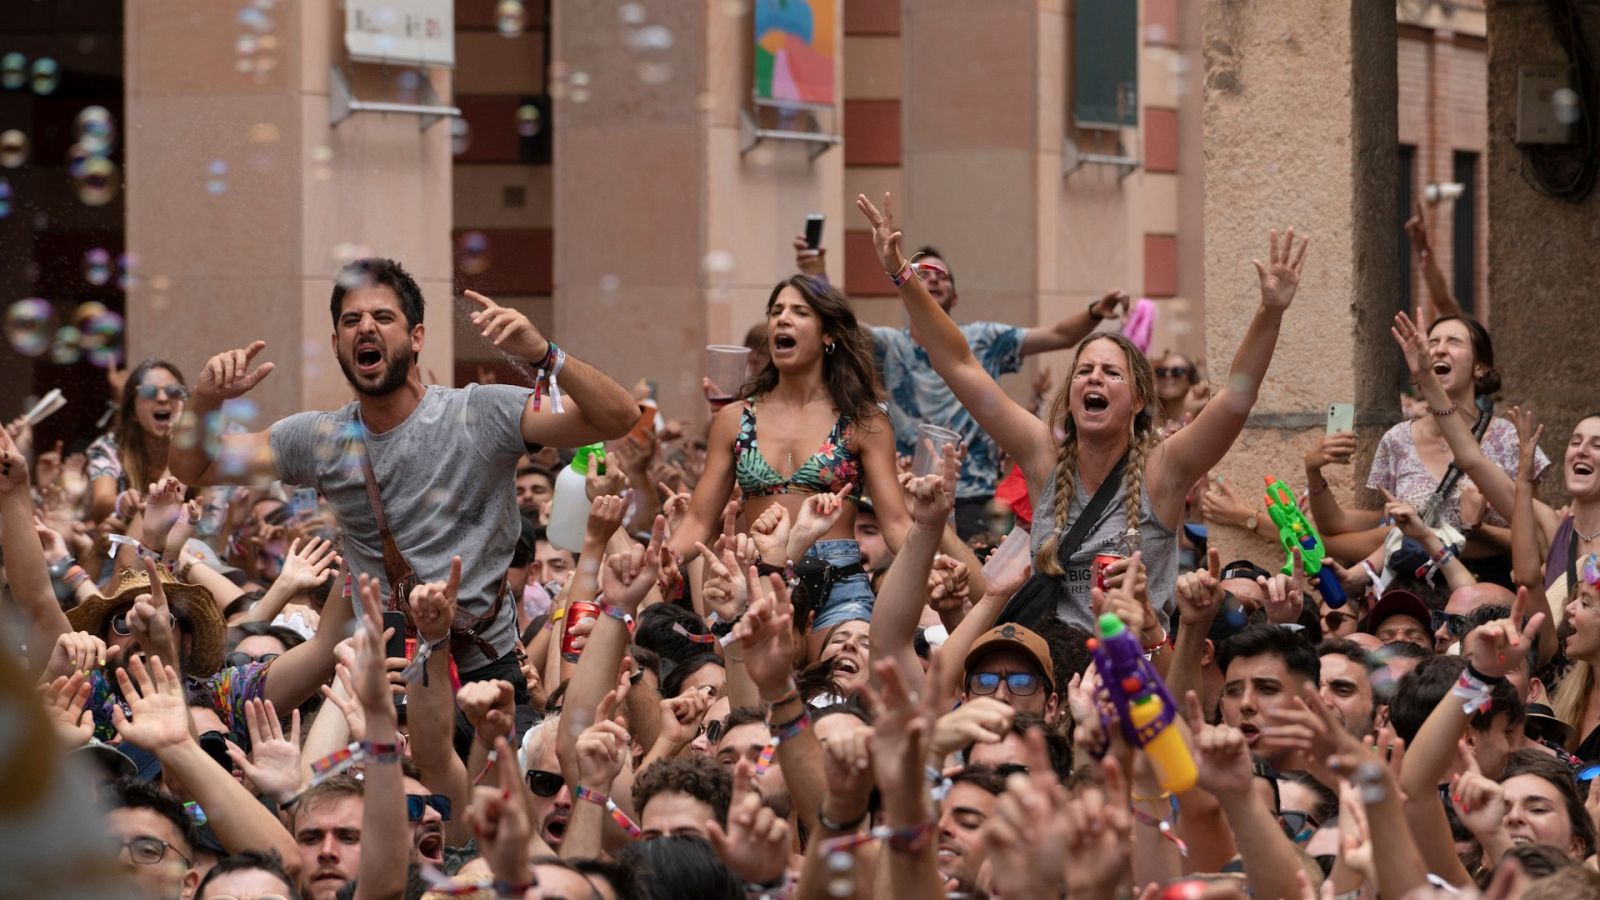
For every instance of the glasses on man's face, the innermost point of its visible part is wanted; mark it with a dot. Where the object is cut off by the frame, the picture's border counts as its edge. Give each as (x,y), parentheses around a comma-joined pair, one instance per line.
(239,659)
(1334,619)
(1453,624)
(1298,825)
(119,623)
(147,851)
(1172,371)
(545,784)
(417,805)
(173,391)
(1020,684)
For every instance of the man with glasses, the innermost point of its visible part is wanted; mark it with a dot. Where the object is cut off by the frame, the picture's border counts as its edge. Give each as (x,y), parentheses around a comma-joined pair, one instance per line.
(1012,664)
(1450,624)
(551,809)
(156,837)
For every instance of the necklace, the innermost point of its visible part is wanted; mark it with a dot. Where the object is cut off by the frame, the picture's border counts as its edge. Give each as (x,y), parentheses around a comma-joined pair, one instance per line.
(1585,537)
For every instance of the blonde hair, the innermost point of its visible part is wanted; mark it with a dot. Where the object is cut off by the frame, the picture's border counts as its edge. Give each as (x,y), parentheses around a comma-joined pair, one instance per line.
(1571,699)
(1142,437)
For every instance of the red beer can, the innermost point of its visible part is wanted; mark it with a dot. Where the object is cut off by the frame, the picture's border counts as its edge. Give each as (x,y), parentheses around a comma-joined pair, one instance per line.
(1098,568)
(577,612)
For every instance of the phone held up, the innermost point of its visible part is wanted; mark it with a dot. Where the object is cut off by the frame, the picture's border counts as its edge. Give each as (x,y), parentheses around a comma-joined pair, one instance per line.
(814,230)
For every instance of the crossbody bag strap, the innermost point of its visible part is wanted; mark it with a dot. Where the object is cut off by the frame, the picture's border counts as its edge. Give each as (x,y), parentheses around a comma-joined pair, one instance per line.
(395,566)
(1452,474)
(1092,511)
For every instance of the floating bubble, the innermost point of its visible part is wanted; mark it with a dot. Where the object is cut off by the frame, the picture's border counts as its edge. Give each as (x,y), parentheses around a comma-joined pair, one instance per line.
(510,18)
(246,45)
(65,351)
(126,263)
(609,283)
(102,332)
(105,357)
(580,78)
(262,133)
(472,252)
(13,71)
(160,282)
(528,120)
(718,262)
(254,19)
(95,128)
(632,13)
(13,148)
(460,136)
(97,266)
(322,153)
(46,75)
(78,158)
(651,37)
(29,325)
(86,311)
(5,197)
(579,95)
(655,72)
(99,183)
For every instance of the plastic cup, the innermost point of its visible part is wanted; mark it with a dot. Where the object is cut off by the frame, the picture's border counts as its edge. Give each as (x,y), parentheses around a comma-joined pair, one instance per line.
(930,448)
(725,369)
(1011,557)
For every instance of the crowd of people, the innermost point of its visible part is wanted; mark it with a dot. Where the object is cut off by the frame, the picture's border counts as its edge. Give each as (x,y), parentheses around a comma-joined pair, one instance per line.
(803,652)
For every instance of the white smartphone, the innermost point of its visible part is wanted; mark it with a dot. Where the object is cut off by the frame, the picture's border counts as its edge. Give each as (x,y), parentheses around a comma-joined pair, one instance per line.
(1341,417)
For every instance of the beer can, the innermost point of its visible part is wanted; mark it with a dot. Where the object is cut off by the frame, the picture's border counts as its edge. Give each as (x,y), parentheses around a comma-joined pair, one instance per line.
(576,612)
(1098,568)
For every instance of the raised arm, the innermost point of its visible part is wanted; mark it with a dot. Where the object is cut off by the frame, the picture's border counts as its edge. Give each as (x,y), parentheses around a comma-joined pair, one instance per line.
(249,456)
(1330,517)
(905,587)
(1023,437)
(384,839)
(1190,453)
(715,486)
(1444,302)
(25,567)
(430,710)
(297,675)
(1074,328)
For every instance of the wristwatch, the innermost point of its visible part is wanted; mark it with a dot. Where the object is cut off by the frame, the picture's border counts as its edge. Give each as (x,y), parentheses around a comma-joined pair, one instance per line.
(1251,522)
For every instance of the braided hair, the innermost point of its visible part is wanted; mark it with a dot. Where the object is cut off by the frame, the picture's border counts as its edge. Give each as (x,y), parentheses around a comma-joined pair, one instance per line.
(1141,438)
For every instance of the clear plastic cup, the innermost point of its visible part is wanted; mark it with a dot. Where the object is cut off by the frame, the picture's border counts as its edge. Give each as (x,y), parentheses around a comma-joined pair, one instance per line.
(1011,557)
(725,369)
(930,447)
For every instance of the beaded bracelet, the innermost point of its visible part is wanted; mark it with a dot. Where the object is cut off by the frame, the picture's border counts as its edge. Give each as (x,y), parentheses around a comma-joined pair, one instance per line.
(617,815)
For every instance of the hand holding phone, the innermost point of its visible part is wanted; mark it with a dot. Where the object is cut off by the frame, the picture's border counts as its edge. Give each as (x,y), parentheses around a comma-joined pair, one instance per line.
(1341,417)
(814,230)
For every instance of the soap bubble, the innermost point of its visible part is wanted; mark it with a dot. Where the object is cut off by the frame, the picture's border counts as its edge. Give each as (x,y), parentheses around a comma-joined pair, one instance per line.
(13,148)
(95,129)
(472,252)
(460,136)
(609,283)
(528,120)
(217,184)
(651,37)
(655,72)
(97,266)
(126,263)
(105,357)
(86,311)
(99,183)
(632,13)
(46,75)
(65,351)
(5,197)
(510,18)
(580,78)
(718,262)
(262,133)
(78,157)
(29,326)
(13,71)
(102,332)
(254,19)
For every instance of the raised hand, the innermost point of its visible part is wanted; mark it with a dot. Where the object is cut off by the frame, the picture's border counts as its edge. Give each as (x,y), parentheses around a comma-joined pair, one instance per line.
(1331,450)
(75,651)
(368,670)
(1414,345)
(1472,505)
(770,531)
(675,507)
(755,845)
(603,748)
(1404,516)
(162,505)
(1528,433)
(307,567)
(1281,275)
(902,720)
(47,468)
(930,499)
(159,713)
(819,514)
(605,517)
(1495,648)
(66,701)
(680,719)
(150,619)
(1220,752)
(847,769)
(499,821)
(1417,230)
(228,375)
(489,707)
(1126,598)
(627,577)
(766,632)
(725,588)
(1199,594)
(273,763)
(947,585)
(1111,307)
(343,695)
(1285,593)
(1220,503)
(809,261)
(433,605)
(885,239)
(508,329)
(984,720)
(602,480)
(13,467)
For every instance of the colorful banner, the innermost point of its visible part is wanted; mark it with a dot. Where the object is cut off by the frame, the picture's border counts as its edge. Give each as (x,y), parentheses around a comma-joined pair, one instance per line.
(795,51)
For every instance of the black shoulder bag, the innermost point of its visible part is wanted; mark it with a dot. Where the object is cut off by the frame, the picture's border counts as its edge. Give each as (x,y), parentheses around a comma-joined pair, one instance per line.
(1036,599)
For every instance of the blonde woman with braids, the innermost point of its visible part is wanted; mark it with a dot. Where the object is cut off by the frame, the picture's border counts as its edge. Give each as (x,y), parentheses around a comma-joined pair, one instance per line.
(1105,410)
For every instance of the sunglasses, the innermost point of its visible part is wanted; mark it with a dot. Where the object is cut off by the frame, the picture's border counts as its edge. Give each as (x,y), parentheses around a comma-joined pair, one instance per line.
(173,391)
(417,805)
(1334,618)
(1172,371)
(1020,684)
(239,659)
(119,623)
(1006,770)
(215,744)
(1299,826)
(545,784)
(714,730)
(1453,624)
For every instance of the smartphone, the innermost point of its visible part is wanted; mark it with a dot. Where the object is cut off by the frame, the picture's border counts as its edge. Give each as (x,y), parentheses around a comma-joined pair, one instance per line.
(303,503)
(395,648)
(1341,417)
(814,230)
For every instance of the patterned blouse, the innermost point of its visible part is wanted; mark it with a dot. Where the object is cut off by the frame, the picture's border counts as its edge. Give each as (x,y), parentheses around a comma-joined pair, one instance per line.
(1397,469)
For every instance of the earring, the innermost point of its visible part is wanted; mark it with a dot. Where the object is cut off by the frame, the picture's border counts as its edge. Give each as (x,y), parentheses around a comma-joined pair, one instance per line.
(828,349)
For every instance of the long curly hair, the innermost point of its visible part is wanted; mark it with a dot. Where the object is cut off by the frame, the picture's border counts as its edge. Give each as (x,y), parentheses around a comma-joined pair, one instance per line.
(137,465)
(1142,437)
(850,371)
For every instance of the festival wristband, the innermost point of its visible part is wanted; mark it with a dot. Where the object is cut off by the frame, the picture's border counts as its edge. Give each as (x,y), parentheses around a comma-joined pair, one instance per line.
(418,666)
(1473,690)
(618,613)
(617,815)
(1159,824)
(721,641)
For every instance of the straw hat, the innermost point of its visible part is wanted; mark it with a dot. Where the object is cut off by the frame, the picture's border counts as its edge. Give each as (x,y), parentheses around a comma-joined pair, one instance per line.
(191,603)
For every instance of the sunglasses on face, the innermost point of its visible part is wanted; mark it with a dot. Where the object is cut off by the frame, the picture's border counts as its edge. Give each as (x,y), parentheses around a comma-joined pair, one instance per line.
(1453,624)
(1172,371)
(1332,619)
(239,659)
(714,730)
(119,623)
(1020,684)
(544,784)
(173,391)
(215,744)
(1299,826)
(417,805)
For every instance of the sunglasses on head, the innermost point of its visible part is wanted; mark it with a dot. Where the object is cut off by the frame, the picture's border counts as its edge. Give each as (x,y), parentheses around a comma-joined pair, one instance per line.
(173,391)
(119,623)
(417,806)
(1455,625)
(1172,371)
(1299,826)
(1020,684)
(240,659)
(544,784)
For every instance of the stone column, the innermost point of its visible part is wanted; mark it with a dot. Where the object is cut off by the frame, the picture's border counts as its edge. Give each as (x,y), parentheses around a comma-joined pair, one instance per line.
(1300,130)
(243,200)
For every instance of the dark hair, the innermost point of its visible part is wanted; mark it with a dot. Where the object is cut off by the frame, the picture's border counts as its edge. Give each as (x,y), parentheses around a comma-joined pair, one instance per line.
(246,860)
(1056,744)
(850,371)
(1567,883)
(523,550)
(622,878)
(653,630)
(743,715)
(930,250)
(131,793)
(374,271)
(1433,596)
(674,867)
(983,777)
(1327,804)
(646,659)
(1416,695)
(1556,773)
(1349,650)
(1263,640)
(1309,620)
(672,684)
(851,706)
(1383,690)
(1194,369)
(138,469)
(242,603)
(1539,860)
(701,777)
(1069,649)
(288,637)
(1482,352)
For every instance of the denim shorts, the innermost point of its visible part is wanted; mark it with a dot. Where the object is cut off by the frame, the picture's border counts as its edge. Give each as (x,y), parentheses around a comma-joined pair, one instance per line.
(850,598)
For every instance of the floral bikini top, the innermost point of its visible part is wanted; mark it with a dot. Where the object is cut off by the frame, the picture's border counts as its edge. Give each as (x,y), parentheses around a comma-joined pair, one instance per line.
(829,469)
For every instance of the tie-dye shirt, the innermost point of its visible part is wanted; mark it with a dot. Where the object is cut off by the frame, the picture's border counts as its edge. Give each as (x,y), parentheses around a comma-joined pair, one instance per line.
(225,693)
(917,394)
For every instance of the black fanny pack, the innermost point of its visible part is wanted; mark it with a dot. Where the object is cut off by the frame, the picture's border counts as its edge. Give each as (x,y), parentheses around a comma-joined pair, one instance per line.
(819,577)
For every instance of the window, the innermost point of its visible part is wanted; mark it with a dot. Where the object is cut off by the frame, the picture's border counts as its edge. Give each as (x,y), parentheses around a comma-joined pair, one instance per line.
(1106,64)
(1464,232)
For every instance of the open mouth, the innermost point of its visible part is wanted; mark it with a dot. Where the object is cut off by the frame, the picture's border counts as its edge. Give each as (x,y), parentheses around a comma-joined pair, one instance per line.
(1441,368)
(162,416)
(1582,468)
(554,831)
(1252,733)
(368,357)
(846,666)
(783,341)
(1094,401)
(947,852)
(431,846)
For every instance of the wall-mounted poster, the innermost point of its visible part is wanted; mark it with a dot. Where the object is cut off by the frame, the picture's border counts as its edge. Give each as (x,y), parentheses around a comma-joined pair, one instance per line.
(795,51)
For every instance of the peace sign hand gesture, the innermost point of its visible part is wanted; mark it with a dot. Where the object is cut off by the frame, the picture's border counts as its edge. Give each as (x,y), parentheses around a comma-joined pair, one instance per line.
(1281,275)
(885,239)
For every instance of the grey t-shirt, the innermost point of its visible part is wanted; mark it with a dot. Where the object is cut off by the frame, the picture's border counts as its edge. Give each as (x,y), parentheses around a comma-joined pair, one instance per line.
(446,477)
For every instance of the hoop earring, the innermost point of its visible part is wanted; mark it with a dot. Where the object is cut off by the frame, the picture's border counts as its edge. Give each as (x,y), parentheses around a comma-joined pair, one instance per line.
(828,349)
